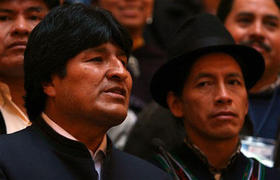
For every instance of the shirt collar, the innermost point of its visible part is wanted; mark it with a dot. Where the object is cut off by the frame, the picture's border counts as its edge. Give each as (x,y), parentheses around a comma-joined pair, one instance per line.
(99,153)
(270,87)
(204,159)
(14,118)
(4,93)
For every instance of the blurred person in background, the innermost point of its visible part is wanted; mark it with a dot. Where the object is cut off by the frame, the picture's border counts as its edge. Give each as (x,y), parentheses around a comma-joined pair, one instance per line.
(169,14)
(17,19)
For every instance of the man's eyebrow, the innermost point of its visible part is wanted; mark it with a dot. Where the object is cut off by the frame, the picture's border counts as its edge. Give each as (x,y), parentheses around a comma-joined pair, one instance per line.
(30,9)
(249,14)
(271,17)
(2,10)
(208,75)
(203,75)
(105,50)
(242,13)
(34,9)
(238,75)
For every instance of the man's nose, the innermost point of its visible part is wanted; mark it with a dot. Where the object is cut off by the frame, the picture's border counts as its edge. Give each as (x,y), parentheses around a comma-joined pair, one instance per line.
(223,95)
(117,70)
(21,26)
(257,31)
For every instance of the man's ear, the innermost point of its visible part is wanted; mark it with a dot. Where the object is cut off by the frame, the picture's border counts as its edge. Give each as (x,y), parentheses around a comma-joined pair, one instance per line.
(49,89)
(175,104)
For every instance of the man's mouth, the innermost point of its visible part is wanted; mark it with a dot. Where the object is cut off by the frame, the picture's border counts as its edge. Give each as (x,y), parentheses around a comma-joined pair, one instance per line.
(116,91)
(258,45)
(224,115)
(131,11)
(18,45)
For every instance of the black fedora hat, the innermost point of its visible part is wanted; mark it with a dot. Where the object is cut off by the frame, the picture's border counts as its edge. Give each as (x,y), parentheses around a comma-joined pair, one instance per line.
(199,35)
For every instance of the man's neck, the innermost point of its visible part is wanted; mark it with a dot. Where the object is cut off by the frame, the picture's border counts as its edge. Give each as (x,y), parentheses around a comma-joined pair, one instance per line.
(89,135)
(16,87)
(217,152)
(264,82)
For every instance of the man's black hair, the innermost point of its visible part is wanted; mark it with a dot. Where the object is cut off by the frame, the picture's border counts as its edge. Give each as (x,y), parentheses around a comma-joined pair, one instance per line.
(51,3)
(61,35)
(225,6)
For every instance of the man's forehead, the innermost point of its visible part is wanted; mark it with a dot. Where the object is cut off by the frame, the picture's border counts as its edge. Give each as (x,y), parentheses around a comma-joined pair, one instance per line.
(263,7)
(216,63)
(103,49)
(108,47)
(10,4)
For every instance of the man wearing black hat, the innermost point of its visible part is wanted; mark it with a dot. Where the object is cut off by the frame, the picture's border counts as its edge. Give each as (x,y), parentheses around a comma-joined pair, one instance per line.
(205,83)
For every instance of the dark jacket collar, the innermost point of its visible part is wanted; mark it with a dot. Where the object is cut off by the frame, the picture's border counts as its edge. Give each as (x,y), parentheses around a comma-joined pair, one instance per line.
(197,163)
(204,159)
(64,144)
(2,124)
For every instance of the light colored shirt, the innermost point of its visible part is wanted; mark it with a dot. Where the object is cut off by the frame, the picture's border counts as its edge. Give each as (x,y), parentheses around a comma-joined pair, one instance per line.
(119,134)
(14,118)
(99,154)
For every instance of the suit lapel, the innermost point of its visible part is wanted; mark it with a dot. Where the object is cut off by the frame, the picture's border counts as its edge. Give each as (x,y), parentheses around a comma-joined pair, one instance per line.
(2,124)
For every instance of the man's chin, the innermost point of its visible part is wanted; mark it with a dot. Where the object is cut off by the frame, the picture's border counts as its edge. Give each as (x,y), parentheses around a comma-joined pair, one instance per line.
(12,72)
(115,118)
(225,135)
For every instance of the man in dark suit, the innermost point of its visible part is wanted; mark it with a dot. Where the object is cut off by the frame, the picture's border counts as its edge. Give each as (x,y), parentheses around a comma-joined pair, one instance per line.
(77,87)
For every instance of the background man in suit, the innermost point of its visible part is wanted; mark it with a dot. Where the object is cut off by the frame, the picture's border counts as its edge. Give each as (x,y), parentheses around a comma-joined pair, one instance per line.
(17,19)
(77,87)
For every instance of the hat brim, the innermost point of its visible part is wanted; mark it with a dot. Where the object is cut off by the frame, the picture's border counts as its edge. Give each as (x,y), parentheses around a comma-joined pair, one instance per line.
(250,61)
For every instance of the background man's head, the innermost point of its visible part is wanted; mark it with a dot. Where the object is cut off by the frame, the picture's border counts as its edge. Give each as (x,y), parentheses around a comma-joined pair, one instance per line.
(129,13)
(206,79)
(132,14)
(70,34)
(213,102)
(210,6)
(17,19)
(255,23)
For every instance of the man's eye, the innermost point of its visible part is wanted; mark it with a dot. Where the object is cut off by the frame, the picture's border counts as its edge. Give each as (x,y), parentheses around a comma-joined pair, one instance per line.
(96,59)
(234,82)
(203,84)
(272,24)
(4,18)
(244,21)
(35,18)
(124,62)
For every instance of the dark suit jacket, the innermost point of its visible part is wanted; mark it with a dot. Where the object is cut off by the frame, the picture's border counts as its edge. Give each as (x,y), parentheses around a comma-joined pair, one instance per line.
(39,153)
